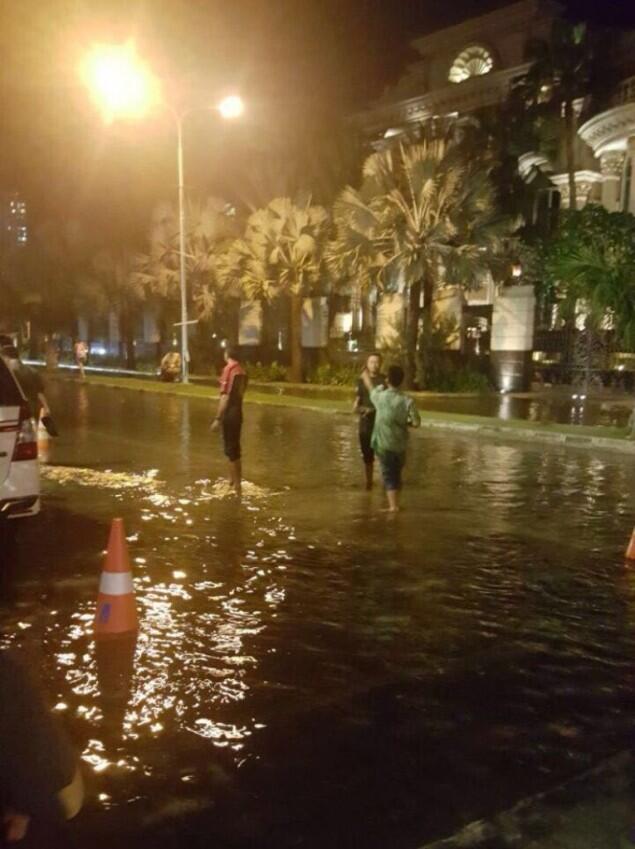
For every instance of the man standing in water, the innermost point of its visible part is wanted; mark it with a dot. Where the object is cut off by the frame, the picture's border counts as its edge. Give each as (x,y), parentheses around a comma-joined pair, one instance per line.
(395,413)
(366,412)
(229,415)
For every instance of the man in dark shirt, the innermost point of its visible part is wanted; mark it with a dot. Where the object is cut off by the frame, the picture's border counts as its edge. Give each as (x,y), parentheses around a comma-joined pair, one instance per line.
(364,408)
(28,378)
(229,415)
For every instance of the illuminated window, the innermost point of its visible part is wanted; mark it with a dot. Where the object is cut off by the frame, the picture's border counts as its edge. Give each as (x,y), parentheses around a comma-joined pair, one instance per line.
(472,62)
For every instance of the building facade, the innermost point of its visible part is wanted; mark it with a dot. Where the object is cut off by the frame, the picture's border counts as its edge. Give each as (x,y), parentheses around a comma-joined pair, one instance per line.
(465,68)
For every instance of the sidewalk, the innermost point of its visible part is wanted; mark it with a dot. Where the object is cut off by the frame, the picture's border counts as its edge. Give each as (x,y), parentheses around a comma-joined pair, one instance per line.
(580,436)
(592,811)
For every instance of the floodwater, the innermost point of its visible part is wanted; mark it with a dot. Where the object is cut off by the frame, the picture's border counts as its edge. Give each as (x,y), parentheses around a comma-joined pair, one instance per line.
(310,672)
(560,406)
(572,408)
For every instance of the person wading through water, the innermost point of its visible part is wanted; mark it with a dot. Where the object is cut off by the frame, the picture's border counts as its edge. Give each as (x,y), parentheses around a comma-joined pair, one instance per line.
(229,415)
(396,413)
(366,412)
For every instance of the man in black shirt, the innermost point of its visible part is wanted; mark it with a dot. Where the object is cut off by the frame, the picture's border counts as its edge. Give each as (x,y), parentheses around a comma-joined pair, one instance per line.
(229,416)
(366,413)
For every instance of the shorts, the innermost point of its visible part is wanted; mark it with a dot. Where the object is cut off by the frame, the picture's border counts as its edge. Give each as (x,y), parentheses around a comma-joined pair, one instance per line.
(391,466)
(365,435)
(232,426)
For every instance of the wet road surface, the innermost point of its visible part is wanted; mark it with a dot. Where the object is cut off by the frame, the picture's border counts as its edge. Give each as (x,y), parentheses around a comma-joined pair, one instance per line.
(309,671)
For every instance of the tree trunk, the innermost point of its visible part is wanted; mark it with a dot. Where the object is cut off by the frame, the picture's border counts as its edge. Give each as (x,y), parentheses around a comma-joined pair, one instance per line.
(296,339)
(426,314)
(412,333)
(268,332)
(367,321)
(570,133)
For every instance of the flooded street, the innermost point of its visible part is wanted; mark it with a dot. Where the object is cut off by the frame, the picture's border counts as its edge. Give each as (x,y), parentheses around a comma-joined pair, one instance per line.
(310,672)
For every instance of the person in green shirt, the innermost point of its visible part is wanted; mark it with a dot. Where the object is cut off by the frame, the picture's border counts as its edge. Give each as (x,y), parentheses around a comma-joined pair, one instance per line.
(395,413)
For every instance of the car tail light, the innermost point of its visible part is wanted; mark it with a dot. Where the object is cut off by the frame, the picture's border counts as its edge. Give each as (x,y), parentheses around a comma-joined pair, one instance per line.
(26,440)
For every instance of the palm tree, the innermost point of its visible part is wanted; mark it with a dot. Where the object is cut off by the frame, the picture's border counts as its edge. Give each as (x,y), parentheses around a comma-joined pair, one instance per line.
(281,254)
(210,228)
(425,215)
(590,261)
(562,71)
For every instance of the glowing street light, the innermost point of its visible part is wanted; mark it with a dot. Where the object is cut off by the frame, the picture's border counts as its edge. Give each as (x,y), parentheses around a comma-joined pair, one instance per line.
(231,107)
(119,82)
(124,87)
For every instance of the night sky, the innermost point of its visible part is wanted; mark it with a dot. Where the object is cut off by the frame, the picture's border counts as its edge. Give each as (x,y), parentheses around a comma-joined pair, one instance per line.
(294,60)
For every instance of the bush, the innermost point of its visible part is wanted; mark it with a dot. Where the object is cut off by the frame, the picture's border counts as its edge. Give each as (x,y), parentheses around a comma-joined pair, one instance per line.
(460,380)
(333,375)
(267,373)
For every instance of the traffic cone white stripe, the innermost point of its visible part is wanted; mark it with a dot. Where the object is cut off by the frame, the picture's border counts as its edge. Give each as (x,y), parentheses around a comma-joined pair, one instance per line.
(116,583)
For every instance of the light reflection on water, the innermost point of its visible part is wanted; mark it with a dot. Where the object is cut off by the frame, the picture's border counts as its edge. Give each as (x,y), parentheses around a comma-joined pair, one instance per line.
(192,656)
(503,576)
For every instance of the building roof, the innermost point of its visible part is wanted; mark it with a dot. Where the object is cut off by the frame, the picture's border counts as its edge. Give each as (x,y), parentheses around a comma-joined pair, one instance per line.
(518,15)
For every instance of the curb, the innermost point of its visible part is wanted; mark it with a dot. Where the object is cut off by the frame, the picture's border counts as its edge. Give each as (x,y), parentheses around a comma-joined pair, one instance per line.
(492,431)
(527,434)
(536,818)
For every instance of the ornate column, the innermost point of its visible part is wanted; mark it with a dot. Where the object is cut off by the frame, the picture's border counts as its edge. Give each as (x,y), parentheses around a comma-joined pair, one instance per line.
(611,135)
(612,167)
(586,187)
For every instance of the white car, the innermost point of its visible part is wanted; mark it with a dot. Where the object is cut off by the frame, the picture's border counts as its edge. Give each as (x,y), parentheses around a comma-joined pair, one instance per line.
(19,467)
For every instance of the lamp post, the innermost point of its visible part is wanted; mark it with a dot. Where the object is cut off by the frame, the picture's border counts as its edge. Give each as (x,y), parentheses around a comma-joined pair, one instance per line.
(125,88)
(185,347)
(230,107)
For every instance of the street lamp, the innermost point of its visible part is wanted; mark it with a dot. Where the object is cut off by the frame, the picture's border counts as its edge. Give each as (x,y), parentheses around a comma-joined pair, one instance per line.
(120,83)
(124,87)
(230,107)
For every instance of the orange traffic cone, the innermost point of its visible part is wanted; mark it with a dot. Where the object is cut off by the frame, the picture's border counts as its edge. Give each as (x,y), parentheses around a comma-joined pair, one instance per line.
(116,610)
(630,551)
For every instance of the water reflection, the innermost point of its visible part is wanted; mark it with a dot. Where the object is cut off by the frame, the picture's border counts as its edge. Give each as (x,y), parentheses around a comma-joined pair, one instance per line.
(115,663)
(491,625)
(203,599)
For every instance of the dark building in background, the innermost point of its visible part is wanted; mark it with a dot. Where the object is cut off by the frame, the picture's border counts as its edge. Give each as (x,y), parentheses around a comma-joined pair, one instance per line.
(13,221)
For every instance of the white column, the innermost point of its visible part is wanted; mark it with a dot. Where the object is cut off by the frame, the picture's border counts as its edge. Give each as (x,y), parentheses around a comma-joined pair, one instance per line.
(448,306)
(250,323)
(391,311)
(82,328)
(114,335)
(612,167)
(513,337)
(151,335)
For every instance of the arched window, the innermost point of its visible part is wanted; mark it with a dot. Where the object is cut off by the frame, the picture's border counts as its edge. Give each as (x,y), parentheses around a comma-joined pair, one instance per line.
(474,61)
